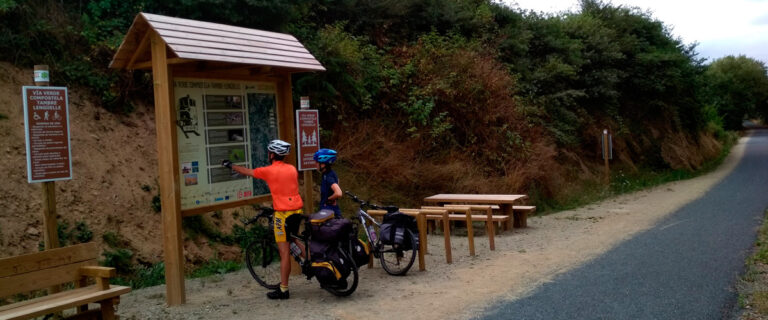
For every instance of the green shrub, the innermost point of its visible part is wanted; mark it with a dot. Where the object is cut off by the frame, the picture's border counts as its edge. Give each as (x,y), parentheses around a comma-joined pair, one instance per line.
(79,234)
(64,233)
(215,267)
(196,226)
(156,205)
(148,276)
(243,236)
(111,239)
(83,234)
(118,258)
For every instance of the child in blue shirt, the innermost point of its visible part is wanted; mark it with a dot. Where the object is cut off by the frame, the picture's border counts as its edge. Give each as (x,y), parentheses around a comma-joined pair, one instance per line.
(329,186)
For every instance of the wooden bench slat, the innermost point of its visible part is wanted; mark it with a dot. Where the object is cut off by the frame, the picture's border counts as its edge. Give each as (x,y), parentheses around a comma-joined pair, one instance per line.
(47,259)
(463,208)
(471,206)
(35,300)
(475,217)
(524,208)
(60,301)
(42,279)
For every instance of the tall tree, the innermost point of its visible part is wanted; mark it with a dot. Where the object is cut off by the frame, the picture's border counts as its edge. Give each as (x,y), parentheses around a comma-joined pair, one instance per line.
(738,87)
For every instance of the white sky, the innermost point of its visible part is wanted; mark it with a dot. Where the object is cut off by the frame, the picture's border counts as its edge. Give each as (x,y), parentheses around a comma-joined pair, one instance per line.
(722,27)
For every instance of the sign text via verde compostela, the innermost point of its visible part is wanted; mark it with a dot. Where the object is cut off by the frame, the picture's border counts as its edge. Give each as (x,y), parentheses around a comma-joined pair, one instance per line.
(46,120)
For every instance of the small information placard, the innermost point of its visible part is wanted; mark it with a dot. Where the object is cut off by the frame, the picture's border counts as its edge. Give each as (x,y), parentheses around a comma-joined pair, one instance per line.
(46,120)
(308,136)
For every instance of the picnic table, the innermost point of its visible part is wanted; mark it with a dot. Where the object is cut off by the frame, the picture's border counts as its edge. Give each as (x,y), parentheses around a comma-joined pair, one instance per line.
(504,201)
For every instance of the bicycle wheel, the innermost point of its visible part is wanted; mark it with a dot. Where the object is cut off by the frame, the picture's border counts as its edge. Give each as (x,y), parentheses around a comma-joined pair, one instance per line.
(263,261)
(351,286)
(394,259)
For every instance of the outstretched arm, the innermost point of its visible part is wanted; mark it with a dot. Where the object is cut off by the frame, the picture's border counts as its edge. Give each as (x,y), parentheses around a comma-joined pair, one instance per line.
(241,170)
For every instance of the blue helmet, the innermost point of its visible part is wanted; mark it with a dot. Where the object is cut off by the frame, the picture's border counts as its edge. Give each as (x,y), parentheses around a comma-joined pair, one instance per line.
(327,156)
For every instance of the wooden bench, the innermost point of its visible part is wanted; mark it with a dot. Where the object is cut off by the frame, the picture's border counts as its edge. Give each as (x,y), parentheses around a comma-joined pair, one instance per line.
(503,201)
(467,216)
(520,214)
(51,268)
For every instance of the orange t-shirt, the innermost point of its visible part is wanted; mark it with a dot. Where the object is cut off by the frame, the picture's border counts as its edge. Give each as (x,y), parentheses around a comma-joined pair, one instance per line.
(283,181)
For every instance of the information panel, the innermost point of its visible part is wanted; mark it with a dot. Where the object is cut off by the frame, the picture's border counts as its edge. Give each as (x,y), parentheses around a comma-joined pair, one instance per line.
(222,120)
(307,134)
(46,120)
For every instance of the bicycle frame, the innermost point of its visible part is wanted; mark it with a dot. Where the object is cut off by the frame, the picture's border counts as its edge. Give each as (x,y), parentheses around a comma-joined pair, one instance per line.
(363,216)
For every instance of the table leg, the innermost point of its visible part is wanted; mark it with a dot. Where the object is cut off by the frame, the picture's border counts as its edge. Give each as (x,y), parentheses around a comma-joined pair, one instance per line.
(489,226)
(370,259)
(447,235)
(422,224)
(506,209)
(470,233)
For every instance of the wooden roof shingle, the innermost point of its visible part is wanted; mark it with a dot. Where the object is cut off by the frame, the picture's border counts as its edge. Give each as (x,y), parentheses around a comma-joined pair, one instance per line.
(205,41)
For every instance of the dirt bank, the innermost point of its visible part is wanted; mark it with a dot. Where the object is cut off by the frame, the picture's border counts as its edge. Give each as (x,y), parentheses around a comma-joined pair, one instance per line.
(523,260)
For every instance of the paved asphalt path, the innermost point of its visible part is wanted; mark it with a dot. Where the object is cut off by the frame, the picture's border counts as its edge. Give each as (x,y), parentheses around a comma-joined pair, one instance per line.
(685,267)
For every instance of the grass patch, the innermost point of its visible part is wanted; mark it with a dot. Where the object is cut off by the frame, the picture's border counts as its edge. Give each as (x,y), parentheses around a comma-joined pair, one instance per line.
(153,275)
(215,267)
(624,182)
(753,287)
(142,276)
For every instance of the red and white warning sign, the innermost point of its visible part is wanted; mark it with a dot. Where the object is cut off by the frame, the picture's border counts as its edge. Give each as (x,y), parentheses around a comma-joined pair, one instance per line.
(308,136)
(46,120)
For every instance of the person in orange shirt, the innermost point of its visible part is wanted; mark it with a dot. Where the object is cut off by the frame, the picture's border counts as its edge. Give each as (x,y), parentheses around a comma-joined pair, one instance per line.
(283,181)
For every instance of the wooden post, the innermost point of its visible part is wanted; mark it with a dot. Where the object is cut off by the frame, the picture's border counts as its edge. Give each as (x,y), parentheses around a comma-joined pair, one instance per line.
(50,224)
(308,194)
(447,236)
(606,155)
(286,119)
(167,158)
(470,232)
(50,234)
(421,221)
(490,229)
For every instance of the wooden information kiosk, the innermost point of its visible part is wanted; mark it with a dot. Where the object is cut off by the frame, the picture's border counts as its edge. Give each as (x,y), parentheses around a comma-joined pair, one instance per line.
(221,92)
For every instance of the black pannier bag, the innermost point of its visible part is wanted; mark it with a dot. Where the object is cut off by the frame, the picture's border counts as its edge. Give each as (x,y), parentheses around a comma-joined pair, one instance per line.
(360,251)
(327,229)
(328,265)
(393,230)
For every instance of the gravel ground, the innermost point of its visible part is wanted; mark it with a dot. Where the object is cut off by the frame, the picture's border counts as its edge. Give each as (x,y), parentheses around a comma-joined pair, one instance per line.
(524,260)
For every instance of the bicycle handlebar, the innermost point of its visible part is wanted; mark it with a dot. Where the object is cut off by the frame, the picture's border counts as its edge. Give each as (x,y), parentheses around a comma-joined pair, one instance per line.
(364,203)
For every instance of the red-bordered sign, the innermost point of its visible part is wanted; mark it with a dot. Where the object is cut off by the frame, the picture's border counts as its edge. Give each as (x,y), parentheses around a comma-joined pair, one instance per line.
(308,138)
(46,121)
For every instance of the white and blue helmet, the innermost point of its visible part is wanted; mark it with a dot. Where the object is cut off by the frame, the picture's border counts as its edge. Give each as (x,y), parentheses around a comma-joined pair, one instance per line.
(279,147)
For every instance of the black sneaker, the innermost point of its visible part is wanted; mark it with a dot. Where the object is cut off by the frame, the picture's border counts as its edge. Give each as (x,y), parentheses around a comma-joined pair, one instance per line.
(277,294)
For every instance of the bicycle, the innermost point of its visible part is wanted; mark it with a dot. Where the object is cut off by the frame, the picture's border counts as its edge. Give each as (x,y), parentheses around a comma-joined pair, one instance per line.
(394,258)
(263,259)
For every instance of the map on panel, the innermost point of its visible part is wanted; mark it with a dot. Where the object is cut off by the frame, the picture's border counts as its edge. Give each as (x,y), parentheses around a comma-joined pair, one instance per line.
(222,120)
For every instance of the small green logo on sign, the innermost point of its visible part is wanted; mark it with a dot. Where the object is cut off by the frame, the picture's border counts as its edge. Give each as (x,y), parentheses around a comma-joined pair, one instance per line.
(41,75)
